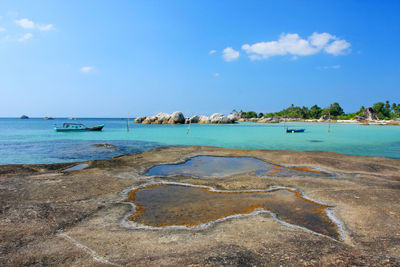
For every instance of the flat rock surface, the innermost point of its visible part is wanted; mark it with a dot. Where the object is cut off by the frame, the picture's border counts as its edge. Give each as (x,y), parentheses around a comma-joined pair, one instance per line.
(52,217)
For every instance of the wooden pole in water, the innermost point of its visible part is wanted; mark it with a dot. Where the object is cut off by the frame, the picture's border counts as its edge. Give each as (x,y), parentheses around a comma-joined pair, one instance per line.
(190,122)
(127,124)
(329,124)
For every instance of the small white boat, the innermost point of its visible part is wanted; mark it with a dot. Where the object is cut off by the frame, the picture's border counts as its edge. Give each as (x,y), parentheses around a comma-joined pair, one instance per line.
(77,127)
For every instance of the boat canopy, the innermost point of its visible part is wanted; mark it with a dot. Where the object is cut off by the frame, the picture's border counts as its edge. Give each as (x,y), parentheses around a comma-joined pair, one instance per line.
(73,125)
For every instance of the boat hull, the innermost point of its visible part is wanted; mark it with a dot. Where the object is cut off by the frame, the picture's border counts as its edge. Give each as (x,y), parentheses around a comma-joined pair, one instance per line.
(87,129)
(295,130)
(95,128)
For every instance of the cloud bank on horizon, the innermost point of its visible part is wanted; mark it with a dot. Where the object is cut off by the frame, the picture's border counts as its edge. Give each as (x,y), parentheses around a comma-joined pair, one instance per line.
(291,44)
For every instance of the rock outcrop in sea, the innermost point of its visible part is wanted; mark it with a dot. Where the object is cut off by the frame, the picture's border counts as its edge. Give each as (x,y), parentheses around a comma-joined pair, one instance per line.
(369,114)
(178,118)
(268,120)
(234,116)
(324,118)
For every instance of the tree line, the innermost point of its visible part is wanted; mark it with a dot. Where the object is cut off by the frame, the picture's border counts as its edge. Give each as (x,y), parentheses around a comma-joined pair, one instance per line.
(383,111)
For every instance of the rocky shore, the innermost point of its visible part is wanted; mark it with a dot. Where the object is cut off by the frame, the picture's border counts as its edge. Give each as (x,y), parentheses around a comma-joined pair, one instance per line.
(52,217)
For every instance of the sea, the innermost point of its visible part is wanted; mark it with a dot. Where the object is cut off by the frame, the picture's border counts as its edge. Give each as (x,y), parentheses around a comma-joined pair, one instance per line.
(34,141)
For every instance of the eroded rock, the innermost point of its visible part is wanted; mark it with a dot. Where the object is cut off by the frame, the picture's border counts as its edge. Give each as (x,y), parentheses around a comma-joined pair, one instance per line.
(369,114)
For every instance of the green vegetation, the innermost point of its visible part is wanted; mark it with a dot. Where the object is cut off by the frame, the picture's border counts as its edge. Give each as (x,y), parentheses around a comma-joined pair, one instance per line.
(385,111)
(335,111)
(251,114)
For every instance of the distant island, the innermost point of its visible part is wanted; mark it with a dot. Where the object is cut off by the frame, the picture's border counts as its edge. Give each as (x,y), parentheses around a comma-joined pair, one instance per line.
(381,113)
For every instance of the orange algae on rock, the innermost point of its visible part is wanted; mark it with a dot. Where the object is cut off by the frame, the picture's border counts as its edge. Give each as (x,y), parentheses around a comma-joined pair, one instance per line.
(305,169)
(163,205)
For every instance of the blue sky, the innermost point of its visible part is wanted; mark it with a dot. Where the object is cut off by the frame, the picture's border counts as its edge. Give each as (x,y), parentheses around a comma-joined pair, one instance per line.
(120,58)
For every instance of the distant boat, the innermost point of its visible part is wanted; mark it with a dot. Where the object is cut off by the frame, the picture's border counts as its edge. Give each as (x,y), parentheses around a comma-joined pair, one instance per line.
(71,119)
(48,118)
(294,130)
(24,117)
(77,127)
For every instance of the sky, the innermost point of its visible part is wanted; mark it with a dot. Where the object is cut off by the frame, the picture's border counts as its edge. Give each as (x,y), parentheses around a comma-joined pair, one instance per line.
(129,58)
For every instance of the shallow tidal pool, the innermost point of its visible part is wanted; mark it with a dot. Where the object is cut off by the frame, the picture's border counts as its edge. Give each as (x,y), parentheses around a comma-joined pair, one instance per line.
(217,167)
(163,205)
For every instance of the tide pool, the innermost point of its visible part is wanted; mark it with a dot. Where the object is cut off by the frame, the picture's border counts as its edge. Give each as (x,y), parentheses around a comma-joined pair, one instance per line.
(35,141)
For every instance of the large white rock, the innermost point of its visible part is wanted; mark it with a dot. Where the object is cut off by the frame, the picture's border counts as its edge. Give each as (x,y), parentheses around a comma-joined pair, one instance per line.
(139,119)
(163,117)
(194,119)
(219,118)
(369,114)
(324,118)
(234,116)
(177,117)
(204,119)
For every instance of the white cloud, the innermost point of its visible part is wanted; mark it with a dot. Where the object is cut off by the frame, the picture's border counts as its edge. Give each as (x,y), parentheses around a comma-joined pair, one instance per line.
(25,23)
(212,52)
(2,29)
(294,45)
(87,69)
(28,24)
(25,37)
(46,27)
(335,67)
(320,39)
(230,54)
(216,74)
(338,47)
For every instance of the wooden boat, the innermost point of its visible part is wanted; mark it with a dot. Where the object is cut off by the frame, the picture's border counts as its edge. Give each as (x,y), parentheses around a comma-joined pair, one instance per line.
(77,127)
(294,130)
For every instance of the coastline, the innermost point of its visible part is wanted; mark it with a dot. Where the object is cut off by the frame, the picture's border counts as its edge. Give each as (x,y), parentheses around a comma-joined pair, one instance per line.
(35,141)
(177,117)
(42,204)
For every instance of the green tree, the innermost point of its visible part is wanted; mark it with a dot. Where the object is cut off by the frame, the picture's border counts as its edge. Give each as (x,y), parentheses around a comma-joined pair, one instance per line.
(251,114)
(396,109)
(387,105)
(361,111)
(260,115)
(381,111)
(335,109)
(315,112)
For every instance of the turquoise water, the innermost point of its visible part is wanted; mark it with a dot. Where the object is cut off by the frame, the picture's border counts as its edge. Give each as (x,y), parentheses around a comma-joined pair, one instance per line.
(35,141)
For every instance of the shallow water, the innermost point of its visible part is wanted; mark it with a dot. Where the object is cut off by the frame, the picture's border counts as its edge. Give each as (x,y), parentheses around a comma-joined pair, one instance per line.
(77,167)
(35,141)
(215,166)
(178,205)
